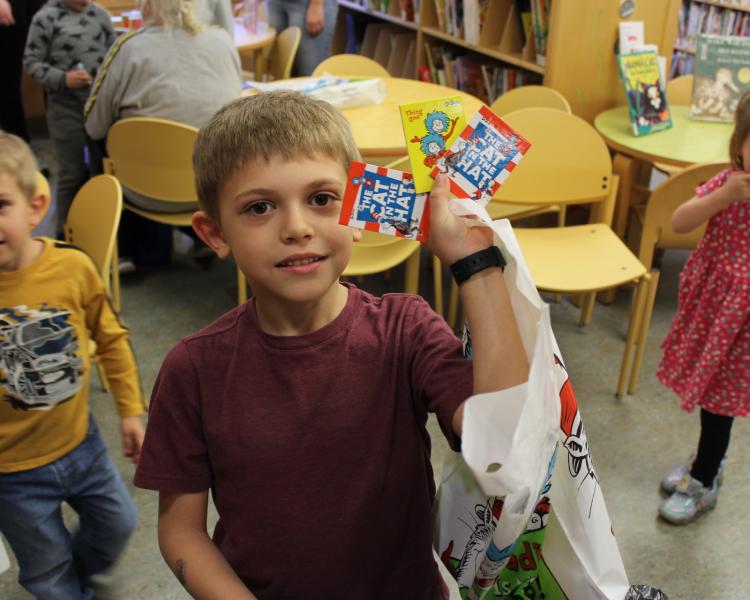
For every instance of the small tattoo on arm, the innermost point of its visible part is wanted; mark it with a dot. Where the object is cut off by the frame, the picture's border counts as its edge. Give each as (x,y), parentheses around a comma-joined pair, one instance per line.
(179,570)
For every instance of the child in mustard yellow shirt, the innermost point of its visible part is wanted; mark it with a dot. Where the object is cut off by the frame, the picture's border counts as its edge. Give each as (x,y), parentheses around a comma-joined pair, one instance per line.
(52,302)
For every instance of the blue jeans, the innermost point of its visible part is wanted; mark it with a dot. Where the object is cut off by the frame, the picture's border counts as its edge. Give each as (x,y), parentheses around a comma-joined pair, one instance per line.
(55,564)
(312,50)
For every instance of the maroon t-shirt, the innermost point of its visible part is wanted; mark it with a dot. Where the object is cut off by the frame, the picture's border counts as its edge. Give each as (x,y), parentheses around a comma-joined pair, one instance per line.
(314,446)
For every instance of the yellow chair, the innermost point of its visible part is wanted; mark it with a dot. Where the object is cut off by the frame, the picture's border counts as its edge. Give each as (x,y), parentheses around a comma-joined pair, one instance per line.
(521,97)
(42,187)
(679,93)
(569,163)
(527,96)
(283,53)
(153,157)
(350,65)
(656,216)
(680,90)
(377,253)
(91,225)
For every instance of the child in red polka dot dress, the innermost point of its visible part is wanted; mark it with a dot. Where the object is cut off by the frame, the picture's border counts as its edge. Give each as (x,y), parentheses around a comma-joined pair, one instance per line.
(706,359)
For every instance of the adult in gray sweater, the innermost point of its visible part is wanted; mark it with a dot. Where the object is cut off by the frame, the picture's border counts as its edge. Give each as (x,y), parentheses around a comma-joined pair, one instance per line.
(174,68)
(67,42)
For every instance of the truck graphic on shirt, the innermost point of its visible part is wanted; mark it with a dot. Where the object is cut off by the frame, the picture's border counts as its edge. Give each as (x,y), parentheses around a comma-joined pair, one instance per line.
(39,364)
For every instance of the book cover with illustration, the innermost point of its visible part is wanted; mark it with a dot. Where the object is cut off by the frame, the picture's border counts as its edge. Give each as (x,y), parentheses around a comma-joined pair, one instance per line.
(722,73)
(383,200)
(482,157)
(644,90)
(430,127)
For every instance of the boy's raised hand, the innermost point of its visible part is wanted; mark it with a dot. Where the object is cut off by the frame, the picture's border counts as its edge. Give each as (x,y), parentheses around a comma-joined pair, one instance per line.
(132,432)
(451,238)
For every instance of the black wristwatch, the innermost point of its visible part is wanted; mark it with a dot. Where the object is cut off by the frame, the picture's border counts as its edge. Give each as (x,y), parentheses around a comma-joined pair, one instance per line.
(479,261)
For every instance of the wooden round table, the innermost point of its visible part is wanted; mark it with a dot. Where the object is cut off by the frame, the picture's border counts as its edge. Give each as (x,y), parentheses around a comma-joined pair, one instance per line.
(377,127)
(686,143)
(247,42)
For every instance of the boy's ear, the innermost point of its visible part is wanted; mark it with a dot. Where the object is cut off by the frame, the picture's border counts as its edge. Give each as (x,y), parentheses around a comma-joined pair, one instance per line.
(210,233)
(39,206)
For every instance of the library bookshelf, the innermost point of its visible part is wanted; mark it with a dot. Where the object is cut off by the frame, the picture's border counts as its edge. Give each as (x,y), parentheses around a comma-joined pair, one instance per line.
(706,16)
(580,47)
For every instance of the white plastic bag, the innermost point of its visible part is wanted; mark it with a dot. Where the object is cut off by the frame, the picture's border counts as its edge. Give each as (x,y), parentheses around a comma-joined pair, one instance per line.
(524,513)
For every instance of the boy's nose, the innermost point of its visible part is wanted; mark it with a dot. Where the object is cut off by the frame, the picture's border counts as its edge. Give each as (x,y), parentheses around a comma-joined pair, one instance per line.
(296,224)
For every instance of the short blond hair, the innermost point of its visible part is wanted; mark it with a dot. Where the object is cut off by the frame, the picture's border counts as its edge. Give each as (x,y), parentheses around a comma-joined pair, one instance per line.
(172,13)
(283,123)
(17,160)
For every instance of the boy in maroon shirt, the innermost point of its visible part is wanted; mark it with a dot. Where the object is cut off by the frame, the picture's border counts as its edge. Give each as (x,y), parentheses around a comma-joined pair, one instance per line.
(304,410)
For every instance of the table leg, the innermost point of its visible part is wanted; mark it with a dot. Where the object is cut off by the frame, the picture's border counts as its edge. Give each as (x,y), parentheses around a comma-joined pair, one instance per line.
(258,56)
(625,167)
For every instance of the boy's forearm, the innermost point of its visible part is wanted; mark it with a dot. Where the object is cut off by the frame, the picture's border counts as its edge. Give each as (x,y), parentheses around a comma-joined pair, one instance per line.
(200,567)
(499,359)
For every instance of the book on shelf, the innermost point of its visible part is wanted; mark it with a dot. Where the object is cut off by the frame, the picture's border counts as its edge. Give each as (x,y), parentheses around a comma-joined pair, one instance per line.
(540,20)
(482,157)
(524,19)
(383,200)
(644,91)
(430,127)
(722,73)
(475,12)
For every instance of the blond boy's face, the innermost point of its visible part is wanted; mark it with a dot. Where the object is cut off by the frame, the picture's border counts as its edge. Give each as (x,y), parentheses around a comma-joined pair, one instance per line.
(18,216)
(279,219)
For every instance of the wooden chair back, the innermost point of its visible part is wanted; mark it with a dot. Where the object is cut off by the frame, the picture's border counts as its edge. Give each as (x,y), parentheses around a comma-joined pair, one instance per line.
(93,219)
(657,220)
(568,162)
(680,90)
(283,53)
(527,96)
(350,65)
(153,157)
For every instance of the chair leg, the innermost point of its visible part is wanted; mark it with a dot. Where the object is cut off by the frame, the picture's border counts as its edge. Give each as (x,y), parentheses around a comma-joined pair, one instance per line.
(241,287)
(115,275)
(437,280)
(411,285)
(102,376)
(633,331)
(453,304)
(587,308)
(648,311)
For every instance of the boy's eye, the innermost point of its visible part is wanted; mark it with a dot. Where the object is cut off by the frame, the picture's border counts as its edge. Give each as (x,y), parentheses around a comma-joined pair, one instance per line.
(322,199)
(259,208)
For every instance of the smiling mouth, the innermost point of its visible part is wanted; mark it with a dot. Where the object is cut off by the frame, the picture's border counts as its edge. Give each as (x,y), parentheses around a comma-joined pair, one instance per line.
(298,262)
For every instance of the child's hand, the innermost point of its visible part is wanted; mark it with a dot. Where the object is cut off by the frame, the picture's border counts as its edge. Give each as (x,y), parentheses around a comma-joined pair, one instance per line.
(132,432)
(451,238)
(737,187)
(77,78)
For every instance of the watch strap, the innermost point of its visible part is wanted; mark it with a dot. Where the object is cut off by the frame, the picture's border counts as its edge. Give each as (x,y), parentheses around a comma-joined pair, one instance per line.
(479,261)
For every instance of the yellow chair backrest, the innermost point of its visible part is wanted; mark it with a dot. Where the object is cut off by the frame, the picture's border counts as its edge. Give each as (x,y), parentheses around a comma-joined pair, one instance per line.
(42,187)
(93,219)
(680,90)
(664,200)
(351,65)
(153,157)
(283,52)
(568,162)
(528,96)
